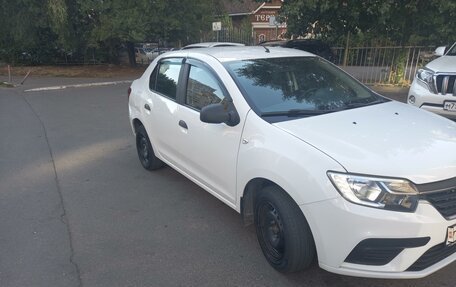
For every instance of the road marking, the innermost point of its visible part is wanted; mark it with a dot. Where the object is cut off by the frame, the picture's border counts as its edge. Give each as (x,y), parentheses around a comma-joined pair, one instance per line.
(53,88)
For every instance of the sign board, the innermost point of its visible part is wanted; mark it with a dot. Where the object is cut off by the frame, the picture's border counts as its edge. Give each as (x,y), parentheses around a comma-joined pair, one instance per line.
(272,21)
(216,26)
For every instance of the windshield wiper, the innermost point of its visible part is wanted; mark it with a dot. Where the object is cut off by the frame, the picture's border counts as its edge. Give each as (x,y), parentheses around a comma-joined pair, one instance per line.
(297,113)
(358,104)
(309,113)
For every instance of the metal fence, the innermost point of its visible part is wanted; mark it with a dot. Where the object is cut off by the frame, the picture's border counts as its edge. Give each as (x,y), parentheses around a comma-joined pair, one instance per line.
(396,65)
(383,65)
(237,35)
(229,35)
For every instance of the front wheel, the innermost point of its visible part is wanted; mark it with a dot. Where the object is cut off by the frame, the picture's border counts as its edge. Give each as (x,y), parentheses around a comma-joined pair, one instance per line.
(145,151)
(283,232)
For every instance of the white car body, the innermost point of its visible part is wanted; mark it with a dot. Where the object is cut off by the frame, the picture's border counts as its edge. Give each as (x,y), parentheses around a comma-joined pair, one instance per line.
(386,140)
(437,97)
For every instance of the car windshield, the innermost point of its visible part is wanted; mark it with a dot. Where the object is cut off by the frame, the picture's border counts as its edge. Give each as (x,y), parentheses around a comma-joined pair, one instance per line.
(452,51)
(298,86)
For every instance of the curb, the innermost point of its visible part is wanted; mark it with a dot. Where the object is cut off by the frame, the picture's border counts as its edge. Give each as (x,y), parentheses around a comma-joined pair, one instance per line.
(53,88)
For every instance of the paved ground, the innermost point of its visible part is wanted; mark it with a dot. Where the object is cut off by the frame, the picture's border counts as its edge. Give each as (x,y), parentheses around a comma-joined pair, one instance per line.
(392,92)
(77,209)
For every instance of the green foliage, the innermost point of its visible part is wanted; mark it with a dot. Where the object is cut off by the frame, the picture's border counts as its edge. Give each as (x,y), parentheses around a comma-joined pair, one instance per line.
(41,31)
(48,31)
(226,21)
(400,22)
(25,34)
(396,75)
(58,16)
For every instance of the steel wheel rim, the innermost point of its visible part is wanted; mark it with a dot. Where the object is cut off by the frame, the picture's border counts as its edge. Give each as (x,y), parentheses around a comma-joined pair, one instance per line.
(271,232)
(143,150)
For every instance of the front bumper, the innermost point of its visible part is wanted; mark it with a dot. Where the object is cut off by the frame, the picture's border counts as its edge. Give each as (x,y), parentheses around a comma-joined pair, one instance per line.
(338,226)
(430,101)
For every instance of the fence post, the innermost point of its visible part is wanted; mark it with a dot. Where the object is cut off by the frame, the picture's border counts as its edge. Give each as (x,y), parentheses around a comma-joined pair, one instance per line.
(9,74)
(346,49)
(406,65)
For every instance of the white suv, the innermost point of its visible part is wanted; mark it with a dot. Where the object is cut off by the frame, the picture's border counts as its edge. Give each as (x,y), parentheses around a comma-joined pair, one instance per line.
(434,87)
(325,168)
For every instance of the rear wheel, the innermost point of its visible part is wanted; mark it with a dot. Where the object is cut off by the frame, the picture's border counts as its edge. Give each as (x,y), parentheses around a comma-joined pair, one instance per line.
(145,151)
(283,232)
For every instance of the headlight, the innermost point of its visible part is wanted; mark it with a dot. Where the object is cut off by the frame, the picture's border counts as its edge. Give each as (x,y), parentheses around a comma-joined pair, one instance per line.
(426,77)
(384,193)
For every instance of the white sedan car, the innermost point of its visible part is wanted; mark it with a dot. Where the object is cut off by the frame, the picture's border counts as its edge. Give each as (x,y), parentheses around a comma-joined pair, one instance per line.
(326,169)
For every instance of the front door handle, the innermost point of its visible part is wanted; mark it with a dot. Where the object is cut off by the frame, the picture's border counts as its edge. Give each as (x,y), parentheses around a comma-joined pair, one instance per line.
(147,107)
(183,124)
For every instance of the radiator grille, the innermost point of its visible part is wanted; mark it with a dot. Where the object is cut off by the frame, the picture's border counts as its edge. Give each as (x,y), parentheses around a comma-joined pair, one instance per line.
(444,201)
(432,256)
(446,84)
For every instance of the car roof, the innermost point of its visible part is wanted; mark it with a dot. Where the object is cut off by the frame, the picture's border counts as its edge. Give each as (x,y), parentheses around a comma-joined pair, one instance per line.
(211,44)
(226,54)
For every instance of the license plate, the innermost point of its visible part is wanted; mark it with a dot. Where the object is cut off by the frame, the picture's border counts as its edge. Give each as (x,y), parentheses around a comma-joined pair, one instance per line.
(449,106)
(451,235)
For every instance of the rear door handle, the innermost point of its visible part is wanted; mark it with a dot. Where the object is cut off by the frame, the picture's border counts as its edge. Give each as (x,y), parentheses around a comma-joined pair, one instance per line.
(183,124)
(147,107)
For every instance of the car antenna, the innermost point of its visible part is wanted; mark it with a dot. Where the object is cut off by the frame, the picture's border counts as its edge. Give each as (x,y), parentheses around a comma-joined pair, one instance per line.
(267,50)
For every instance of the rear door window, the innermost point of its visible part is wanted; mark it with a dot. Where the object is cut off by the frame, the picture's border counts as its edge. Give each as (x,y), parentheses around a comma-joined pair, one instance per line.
(165,77)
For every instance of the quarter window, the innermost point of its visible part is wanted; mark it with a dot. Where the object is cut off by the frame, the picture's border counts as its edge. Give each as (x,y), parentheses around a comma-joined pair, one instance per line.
(164,79)
(202,89)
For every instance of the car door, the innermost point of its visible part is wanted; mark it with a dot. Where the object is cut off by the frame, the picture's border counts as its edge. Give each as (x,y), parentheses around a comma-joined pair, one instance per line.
(161,107)
(210,150)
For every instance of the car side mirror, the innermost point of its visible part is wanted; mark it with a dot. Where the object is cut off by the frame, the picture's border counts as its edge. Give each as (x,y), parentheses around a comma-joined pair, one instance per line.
(220,113)
(440,51)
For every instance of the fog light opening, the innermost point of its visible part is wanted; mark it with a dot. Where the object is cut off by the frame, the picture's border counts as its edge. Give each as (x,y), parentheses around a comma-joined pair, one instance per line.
(412,99)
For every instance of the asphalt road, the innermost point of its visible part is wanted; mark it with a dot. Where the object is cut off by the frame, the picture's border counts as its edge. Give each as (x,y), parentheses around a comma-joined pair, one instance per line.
(77,208)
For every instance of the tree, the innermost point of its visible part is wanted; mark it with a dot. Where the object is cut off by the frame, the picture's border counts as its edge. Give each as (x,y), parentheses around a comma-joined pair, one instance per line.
(51,28)
(24,31)
(408,21)
(116,23)
(185,20)
(67,22)
(420,21)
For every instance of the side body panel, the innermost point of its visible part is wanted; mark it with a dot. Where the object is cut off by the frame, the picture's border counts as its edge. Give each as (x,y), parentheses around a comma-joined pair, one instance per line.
(300,169)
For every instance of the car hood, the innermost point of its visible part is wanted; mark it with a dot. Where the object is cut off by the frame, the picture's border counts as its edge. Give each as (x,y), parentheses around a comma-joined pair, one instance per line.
(390,139)
(443,64)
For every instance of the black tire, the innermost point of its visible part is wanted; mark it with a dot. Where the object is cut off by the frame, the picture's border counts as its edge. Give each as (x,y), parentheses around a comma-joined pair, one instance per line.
(145,151)
(283,232)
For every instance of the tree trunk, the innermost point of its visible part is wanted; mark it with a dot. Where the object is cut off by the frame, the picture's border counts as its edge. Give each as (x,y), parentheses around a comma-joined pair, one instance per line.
(131,54)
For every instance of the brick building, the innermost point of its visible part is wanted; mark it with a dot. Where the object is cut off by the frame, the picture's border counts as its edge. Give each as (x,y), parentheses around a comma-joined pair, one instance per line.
(259,15)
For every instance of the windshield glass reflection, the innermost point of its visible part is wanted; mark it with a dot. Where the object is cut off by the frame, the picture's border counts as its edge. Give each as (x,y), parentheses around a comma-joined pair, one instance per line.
(298,84)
